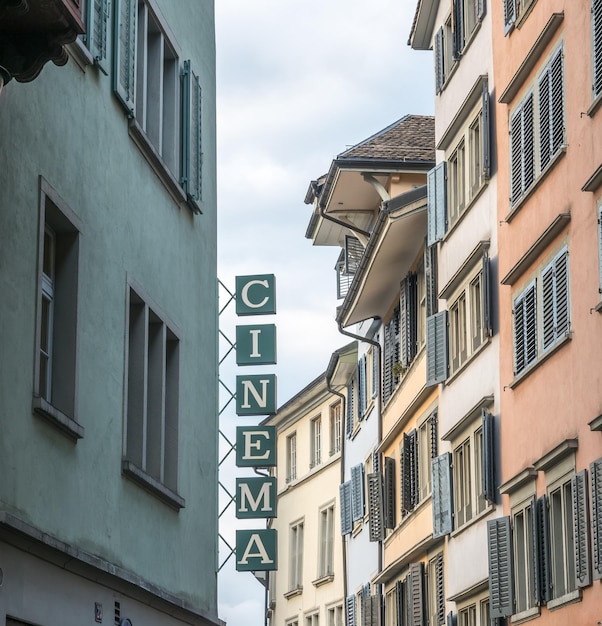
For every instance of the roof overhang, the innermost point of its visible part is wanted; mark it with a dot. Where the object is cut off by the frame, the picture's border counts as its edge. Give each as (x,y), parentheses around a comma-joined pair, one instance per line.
(392,249)
(424,24)
(343,363)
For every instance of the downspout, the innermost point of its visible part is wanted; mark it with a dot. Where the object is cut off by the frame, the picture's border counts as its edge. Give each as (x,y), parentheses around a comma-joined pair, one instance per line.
(379,435)
(343,409)
(351,227)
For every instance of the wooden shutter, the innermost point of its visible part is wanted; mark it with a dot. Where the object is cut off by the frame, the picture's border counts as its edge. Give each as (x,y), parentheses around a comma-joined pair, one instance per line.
(439,61)
(596,495)
(436,181)
(543,548)
(501,592)
(389,492)
(458,28)
(376,507)
(353,254)
(440,589)
(124,57)
(408,319)
(350,610)
(442,495)
(400,603)
(525,328)
(509,15)
(597,46)
(486,295)
(345,505)
(350,410)
(357,491)
(97,25)
(430,277)
(417,594)
(488,457)
(486,130)
(436,348)
(434,432)
(192,155)
(581,529)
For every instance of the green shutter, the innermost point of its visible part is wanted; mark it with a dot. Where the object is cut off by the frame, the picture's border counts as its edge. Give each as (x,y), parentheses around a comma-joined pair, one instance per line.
(345,508)
(488,457)
(124,56)
(501,592)
(357,491)
(192,154)
(97,25)
(581,529)
(442,495)
(376,507)
(436,348)
(389,492)
(596,496)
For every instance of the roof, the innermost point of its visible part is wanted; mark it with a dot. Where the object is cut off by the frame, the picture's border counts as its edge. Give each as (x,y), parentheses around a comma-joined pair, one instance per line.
(409,139)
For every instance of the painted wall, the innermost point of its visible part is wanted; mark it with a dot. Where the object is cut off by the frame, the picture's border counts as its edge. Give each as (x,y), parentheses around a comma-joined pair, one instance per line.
(68,127)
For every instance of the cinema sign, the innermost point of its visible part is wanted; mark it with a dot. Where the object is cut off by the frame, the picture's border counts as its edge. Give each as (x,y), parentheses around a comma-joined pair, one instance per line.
(256,550)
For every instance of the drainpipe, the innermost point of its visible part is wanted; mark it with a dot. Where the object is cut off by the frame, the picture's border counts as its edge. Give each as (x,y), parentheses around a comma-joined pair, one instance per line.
(378,405)
(358,231)
(343,409)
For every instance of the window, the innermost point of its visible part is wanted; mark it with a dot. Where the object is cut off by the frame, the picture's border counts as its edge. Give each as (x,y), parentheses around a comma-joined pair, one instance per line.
(467,14)
(291,458)
(56,332)
(391,608)
(541,314)
(457,182)
(316,441)
(475,131)
(313,619)
(296,557)
(162,98)
(562,556)
(351,417)
(474,612)
(514,10)
(462,483)
(597,47)
(362,386)
(435,589)
(326,554)
(444,58)
(152,394)
(524,574)
(335,428)
(536,139)
(335,615)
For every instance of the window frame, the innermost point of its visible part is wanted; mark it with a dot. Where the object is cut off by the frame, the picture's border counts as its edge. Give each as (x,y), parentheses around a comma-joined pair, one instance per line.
(336,422)
(315,427)
(296,542)
(326,541)
(291,457)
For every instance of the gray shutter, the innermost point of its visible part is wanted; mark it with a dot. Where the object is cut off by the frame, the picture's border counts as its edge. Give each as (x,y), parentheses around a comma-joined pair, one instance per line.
(389,492)
(439,61)
(192,155)
(357,491)
(509,15)
(434,432)
(436,202)
(597,46)
(440,589)
(375,369)
(522,149)
(400,603)
(486,130)
(375,460)
(596,495)
(543,548)
(458,25)
(501,592)
(436,348)
(555,300)
(350,610)
(376,507)
(124,57)
(405,484)
(361,388)
(417,594)
(536,571)
(408,320)
(488,457)
(97,25)
(430,277)
(481,9)
(353,254)
(345,503)
(452,619)
(486,295)
(442,495)
(600,241)
(375,610)
(525,328)
(581,530)
(551,109)
(350,409)
(414,465)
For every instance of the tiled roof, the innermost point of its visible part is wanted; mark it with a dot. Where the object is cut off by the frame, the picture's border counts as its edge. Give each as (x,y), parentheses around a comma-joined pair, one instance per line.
(412,138)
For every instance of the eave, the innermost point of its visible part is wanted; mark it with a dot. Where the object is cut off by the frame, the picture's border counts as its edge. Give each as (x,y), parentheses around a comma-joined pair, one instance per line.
(424,25)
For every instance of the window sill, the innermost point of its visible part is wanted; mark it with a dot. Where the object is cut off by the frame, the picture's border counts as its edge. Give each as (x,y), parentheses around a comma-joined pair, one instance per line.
(514,209)
(598,307)
(518,378)
(323,580)
(526,615)
(156,162)
(473,520)
(152,485)
(297,591)
(468,361)
(567,598)
(80,54)
(357,528)
(57,418)
(595,105)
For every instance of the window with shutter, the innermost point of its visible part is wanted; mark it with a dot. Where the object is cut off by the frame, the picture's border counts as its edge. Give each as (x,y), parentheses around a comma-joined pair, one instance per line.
(389,492)
(392,355)
(555,300)
(408,309)
(439,61)
(562,538)
(509,15)
(437,202)
(525,328)
(488,487)
(581,529)
(349,421)
(523,552)
(458,26)
(376,507)
(353,254)
(522,149)
(357,491)
(345,500)
(436,348)
(596,498)
(597,46)
(442,495)
(551,109)
(501,589)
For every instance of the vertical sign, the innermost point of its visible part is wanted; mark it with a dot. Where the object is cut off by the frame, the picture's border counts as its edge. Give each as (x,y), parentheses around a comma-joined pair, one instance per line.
(256,550)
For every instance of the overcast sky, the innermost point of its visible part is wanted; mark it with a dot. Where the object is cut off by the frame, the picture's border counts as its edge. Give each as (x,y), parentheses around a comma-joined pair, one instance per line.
(298,82)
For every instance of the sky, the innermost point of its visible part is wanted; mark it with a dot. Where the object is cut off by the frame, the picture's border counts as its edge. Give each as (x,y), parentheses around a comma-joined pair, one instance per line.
(298,82)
